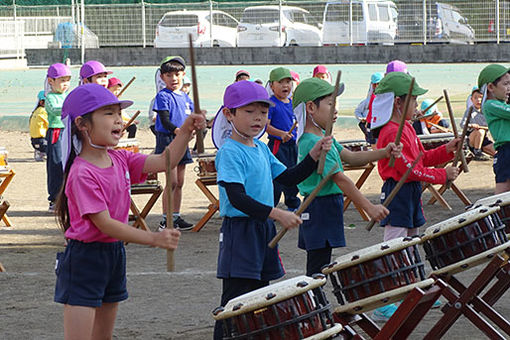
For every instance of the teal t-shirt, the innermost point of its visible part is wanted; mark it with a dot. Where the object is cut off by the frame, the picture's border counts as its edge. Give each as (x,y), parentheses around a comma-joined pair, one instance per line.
(497,114)
(255,167)
(53,105)
(305,144)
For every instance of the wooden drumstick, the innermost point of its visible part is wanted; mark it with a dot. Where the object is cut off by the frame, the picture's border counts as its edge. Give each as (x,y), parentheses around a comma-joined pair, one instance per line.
(459,151)
(329,125)
(304,205)
(454,127)
(479,127)
(130,121)
(125,87)
(439,127)
(428,108)
(395,190)
(402,120)
(170,264)
(196,103)
(292,127)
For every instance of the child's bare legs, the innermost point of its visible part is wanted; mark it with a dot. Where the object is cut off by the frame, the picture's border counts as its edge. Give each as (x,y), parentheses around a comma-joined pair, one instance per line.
(88,322)
(177,175)
(391,232)
(502,187)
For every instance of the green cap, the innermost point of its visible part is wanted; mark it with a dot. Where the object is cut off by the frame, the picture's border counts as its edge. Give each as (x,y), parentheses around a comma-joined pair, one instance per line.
(174,58)
(279,73)
(491,73)
(398,83)
(313,88)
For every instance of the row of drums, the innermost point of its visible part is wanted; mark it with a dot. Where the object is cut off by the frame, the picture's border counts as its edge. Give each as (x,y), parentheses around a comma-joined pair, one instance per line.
(369,278)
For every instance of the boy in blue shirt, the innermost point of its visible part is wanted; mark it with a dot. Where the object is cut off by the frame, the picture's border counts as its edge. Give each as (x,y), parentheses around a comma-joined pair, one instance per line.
(282,143)
(246,170)
(172,106)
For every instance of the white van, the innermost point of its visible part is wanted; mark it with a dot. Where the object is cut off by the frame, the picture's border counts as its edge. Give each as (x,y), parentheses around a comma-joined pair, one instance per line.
(373,22)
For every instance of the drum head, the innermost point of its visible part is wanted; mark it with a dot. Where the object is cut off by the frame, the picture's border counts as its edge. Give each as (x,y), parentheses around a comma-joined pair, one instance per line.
(502,200)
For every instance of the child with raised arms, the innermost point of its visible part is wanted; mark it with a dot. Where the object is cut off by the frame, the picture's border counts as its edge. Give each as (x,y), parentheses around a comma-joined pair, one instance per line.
(57,84)
(494,83)
(246,171)
(93,209)
(323,224)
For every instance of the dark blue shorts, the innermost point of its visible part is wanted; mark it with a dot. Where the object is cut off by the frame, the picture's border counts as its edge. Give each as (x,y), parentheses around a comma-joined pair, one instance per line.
(163,140)
(323,223)
(406,210)
(501,165)
(244,252)
(90,274)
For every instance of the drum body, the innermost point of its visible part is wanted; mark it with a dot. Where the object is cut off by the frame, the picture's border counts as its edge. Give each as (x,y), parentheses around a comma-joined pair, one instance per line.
(292,309)
(206,167)
(463,237)
(503,201)
(355,145)
(375,270)
(435,140)
(129,144)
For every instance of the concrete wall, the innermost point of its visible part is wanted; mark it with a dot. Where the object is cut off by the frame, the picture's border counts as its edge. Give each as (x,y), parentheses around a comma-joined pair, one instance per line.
(138,56)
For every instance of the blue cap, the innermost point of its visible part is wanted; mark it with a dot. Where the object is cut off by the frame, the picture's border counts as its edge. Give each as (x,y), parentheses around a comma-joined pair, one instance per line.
(41,96)
(426,103)
(376,77)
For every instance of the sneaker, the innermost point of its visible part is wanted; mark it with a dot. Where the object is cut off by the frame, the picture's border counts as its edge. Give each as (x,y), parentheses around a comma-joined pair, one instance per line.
(38,156)
(51,207)
(480,156)
(181,224)
(162,225)
(383,314)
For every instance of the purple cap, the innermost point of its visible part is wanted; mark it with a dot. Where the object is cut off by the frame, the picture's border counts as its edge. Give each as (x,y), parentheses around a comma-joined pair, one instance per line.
(58,70)
(245,92)
(91,68)
(88,98)
(396,66)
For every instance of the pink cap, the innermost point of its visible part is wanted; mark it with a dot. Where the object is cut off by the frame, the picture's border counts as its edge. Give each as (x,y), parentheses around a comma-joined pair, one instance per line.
(396,66)
(241,72)
(114,81)
(319,69)
(294,75)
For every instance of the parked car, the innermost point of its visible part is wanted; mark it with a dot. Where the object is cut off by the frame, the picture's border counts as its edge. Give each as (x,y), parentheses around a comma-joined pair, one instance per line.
(268,26)
(174,27)
(445,23)
(373,22)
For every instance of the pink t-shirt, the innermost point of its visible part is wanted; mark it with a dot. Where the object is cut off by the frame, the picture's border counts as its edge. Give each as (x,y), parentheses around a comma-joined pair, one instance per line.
(91,189)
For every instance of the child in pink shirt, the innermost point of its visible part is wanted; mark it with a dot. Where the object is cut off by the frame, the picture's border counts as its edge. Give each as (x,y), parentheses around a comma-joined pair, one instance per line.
(93,209)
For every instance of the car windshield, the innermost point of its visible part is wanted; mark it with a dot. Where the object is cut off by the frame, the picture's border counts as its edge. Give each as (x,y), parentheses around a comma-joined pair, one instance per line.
(180,20)
(340,12)
(260,16)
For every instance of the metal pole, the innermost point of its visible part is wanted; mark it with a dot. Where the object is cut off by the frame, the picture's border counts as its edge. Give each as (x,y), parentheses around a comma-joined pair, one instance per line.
(497,21)
(212,22)
(82,32)
(350,23)
(14,10)
(425,23)
(72,12)
(144,36)
(280,22)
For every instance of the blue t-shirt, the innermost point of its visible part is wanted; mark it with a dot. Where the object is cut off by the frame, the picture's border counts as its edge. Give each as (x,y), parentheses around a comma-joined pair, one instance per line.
(281,116)
(177,103)
(254,167)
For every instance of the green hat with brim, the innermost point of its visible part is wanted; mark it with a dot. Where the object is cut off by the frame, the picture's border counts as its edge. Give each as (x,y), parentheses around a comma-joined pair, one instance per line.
(174,58)
(490,74)
(279,73)
(313,88)
(398,83)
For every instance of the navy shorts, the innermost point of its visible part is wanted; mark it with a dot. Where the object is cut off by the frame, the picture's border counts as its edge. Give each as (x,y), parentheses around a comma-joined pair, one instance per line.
(406,210)
(244,252)
(501,165)
(323,223)
(90,274)
(163,140)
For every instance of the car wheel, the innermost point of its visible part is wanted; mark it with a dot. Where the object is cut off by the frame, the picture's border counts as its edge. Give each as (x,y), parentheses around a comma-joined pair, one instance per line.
(216,43)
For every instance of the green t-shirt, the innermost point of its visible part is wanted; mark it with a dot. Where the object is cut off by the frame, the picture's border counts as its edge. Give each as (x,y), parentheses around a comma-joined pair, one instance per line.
(53,105)
(306,143)
(497,114)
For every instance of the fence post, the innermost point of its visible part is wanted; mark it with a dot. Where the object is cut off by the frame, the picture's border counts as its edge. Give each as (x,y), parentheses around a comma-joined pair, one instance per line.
(14,9)
(350,22)
(144,37)
(212,22)
(82,32)
(497,21)
(425,24)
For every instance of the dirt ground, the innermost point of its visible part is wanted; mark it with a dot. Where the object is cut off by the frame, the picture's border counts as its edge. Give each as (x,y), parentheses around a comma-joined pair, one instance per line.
(166,305)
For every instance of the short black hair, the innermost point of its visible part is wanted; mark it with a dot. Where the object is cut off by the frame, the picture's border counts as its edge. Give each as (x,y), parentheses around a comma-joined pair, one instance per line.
(317,101)
(495,82)
(171,66)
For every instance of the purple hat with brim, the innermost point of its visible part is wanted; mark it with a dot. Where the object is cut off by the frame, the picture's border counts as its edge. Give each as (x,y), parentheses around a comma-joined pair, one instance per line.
(91,68)
(396,66)
(58,70)
(245,92)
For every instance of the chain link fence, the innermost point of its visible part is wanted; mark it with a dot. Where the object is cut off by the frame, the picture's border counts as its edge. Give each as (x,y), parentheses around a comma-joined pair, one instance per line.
(277,23)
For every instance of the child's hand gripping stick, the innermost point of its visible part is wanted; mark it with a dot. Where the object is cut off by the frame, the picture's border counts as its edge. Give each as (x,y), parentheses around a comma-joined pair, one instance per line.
(428,108)
(329,126)
(459,151)
(304,205)
(402,121)
(395,190)
(196,104)
(454,127)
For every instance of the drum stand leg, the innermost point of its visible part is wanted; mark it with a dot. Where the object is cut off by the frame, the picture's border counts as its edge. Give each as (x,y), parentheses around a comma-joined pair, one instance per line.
(462,300)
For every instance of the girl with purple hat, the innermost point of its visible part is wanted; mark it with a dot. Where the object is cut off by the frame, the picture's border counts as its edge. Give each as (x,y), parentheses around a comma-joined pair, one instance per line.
(94,72)
(93,209)
(57,83)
